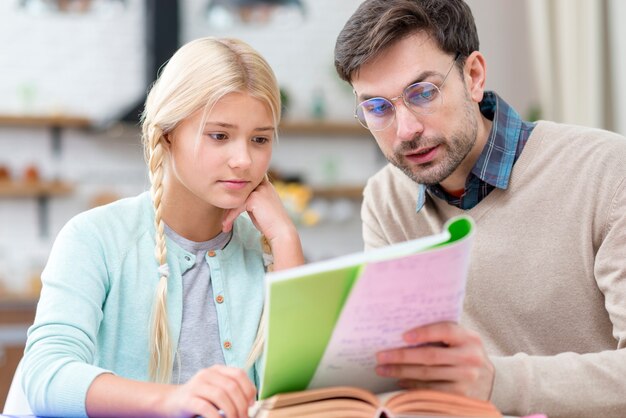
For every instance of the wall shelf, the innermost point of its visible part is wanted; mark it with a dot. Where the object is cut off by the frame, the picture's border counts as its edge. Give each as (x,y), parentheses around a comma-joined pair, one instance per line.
(338,192)
(48,121)
(40,190)
(322,128)
(286,126)
(55,123)
(34,188)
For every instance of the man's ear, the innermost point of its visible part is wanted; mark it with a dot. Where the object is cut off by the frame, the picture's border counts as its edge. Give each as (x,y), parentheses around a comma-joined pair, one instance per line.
(475,74)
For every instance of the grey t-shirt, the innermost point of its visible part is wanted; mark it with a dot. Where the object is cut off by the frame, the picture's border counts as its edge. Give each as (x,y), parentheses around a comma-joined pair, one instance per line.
(199,342)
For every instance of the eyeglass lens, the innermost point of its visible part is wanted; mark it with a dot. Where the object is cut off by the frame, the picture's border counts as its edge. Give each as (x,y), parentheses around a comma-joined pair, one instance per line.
(378,113)
(421,98)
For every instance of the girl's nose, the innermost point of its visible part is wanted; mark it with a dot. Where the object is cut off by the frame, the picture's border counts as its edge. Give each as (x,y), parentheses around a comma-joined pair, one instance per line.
(240,156)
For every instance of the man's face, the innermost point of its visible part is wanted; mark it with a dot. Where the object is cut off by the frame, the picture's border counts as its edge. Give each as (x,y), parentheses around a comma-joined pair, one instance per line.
(428,148)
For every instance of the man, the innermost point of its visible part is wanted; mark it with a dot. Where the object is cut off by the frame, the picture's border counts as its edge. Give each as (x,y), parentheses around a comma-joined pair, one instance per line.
(544,324)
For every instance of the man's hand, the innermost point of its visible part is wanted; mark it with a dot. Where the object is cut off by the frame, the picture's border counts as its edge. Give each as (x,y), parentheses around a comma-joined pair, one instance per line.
(443,356)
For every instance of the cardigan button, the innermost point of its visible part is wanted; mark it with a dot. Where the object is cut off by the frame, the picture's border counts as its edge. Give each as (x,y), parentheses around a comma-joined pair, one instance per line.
(219,299)
(227,345)
(211,253)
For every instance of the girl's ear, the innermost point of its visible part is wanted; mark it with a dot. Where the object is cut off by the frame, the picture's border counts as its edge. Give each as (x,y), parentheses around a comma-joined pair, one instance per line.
(166,140)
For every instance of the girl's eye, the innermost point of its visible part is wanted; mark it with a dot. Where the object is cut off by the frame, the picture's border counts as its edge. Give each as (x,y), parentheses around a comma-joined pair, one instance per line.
(260,139)
(218,136)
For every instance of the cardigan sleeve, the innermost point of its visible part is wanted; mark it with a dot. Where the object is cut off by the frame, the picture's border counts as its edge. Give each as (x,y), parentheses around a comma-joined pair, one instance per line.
(60,350)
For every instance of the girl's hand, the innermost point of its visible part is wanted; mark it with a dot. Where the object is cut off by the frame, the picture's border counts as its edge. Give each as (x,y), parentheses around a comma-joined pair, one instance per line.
(269,216)
(210,390)
(266,211)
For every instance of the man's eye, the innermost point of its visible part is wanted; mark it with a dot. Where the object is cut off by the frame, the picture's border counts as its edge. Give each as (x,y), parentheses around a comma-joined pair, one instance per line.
(377,107)
(422,94)
(428,94)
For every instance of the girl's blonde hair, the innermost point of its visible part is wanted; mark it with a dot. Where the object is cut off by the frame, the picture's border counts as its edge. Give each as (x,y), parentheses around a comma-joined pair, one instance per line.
(196,77)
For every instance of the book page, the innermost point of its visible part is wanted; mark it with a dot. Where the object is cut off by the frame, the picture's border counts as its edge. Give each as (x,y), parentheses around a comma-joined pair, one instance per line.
(389,298)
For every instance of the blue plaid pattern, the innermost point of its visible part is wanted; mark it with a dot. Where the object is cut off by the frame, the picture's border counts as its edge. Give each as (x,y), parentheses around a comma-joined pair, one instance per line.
(506,141)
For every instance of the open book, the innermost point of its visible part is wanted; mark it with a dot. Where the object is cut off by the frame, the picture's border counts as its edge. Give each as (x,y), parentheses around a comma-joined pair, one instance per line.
(326,321)
(342,402)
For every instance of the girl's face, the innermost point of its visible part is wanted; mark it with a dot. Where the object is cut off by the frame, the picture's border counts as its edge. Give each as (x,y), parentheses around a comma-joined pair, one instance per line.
(220,163)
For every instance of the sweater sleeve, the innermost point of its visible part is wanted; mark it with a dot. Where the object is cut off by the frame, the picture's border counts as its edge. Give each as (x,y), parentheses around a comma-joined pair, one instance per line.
(571,384)
(373,234)
(60,351)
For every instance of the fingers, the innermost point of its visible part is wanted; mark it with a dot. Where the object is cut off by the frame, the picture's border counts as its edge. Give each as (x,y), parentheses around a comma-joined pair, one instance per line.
(428,373)
(231,391)
(432,355)
(242,380)
(267,212)
(448,333)
(205,409)
(214,397)
(222,388)
(229,217)
(441,355)
(231,214)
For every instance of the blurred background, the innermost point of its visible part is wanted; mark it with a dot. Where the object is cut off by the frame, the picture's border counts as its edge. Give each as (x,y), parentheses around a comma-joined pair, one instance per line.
(74,75)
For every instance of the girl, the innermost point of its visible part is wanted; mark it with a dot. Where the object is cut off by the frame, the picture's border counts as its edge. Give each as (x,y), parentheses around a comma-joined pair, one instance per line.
(151,305)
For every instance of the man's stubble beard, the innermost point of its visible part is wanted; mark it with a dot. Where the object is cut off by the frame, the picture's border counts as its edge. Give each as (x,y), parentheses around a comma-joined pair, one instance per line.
(454,151)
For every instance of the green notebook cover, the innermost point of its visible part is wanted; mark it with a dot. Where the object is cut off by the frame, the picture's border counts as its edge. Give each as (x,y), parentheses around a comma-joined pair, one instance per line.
(303,305)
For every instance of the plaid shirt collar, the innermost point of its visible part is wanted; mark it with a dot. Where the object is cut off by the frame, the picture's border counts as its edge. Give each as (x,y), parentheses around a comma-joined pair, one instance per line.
(507,138)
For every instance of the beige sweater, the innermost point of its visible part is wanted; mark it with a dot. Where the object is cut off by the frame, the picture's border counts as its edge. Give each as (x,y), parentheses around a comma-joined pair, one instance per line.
(547,282)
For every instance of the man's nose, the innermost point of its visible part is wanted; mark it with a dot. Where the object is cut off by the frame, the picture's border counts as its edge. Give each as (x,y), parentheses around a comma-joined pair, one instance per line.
(408,124)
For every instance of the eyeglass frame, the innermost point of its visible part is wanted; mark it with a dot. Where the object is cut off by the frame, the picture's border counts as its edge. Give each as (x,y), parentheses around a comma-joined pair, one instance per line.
(404,100)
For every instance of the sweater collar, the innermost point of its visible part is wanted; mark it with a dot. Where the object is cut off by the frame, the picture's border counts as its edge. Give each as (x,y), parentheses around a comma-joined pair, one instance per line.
(495,163)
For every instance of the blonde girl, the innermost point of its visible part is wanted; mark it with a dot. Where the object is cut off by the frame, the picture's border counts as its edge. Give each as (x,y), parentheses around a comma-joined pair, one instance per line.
(151,305)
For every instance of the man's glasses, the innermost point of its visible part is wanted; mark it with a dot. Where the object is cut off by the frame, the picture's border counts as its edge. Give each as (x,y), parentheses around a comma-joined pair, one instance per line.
(421,98)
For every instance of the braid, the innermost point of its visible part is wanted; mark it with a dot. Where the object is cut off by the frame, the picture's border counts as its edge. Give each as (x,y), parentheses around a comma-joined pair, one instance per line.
(160,344)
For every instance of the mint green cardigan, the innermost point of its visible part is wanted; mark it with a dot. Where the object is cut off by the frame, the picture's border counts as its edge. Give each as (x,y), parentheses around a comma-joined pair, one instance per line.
(98,289)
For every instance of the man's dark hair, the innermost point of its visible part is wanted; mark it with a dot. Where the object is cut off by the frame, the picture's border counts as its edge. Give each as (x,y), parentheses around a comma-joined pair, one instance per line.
(378,24)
